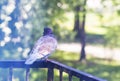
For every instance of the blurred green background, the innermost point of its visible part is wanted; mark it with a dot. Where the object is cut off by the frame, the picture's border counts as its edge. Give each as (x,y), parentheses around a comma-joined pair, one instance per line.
(88,34)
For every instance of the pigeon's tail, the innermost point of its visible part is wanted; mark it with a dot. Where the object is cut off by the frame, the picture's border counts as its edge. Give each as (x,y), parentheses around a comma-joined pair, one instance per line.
(30,60)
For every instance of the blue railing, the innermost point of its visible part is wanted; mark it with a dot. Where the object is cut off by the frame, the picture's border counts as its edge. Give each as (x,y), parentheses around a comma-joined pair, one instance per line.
(50,65)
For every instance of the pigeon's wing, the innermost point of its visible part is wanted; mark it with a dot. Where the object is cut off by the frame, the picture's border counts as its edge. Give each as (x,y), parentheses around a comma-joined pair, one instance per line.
(47,46)
(42,49)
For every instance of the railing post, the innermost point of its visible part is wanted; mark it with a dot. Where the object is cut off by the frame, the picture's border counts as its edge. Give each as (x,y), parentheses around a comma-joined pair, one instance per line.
(27,74)
(10,74)
(70,77)
(50,74)
(61,74)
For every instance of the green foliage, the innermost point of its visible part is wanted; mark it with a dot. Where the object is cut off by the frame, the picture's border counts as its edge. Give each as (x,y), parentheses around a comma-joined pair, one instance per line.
(112,37)
(63,34)
(109,20)
(48,13)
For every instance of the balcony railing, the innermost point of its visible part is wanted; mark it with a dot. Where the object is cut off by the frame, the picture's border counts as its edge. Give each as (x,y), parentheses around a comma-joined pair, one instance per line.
(50,65)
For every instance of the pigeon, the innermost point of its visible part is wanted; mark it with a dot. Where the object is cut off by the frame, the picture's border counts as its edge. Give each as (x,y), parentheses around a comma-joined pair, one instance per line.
(43,48)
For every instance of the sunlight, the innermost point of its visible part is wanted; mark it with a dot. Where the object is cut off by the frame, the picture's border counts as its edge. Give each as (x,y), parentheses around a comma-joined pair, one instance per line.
(26,51)
(20,49)
(24,14)
(105,73)
(15,79)
(27,7)
(6,30)
(15,40)
(19,25)
(3,24)
(63,6)
(28,26)
(7,39)
(10,7)
(59,4)
(2,43)
(94,3)
(5,17)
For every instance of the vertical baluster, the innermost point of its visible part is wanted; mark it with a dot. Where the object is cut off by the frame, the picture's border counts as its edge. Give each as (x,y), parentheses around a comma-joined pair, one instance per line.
(10,73)
(50,74)
(81,79)
(27,74)
(70,77)
(61,74)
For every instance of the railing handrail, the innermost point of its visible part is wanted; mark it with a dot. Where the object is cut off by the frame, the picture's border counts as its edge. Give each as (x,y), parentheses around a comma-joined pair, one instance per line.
(51,65)
(73,71)
(21,64)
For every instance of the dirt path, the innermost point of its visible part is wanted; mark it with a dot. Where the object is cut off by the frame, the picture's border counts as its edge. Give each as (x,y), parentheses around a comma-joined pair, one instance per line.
(96,51)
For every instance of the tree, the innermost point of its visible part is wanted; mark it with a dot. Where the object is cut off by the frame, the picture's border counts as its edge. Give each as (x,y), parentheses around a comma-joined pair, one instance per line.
(110,22)
(112,36)
(79,27)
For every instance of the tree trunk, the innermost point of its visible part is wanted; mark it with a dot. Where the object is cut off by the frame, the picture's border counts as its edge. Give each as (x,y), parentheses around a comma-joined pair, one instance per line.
(77,22)
(83,35)
(79,27)
(82,40)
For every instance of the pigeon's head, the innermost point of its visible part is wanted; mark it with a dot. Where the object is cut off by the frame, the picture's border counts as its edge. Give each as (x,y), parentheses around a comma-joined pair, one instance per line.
(47,31)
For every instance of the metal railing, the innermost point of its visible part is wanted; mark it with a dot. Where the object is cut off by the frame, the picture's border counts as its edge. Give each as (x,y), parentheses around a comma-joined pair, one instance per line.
(50,65)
